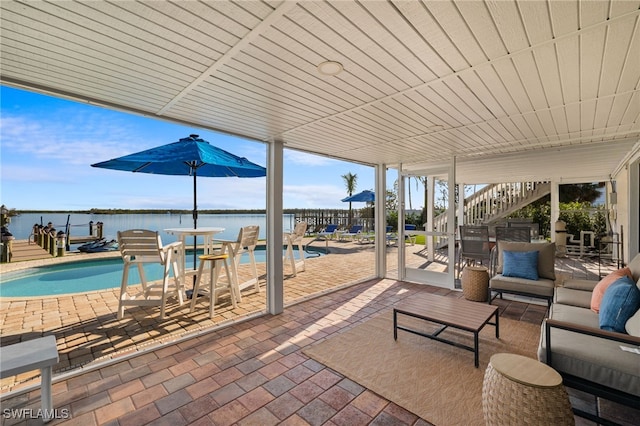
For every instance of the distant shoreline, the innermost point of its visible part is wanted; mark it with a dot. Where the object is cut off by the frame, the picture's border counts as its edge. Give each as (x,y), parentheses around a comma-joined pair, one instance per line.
(165,211)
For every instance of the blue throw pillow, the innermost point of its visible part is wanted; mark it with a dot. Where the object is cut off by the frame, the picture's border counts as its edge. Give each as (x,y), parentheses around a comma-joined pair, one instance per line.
(520,264)
(620,301)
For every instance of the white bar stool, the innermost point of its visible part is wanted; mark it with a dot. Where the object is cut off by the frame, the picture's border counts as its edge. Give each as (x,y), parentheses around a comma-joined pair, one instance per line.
(213,262)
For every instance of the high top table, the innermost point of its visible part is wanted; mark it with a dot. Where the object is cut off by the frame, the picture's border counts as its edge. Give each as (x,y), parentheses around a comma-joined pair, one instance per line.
(206,232)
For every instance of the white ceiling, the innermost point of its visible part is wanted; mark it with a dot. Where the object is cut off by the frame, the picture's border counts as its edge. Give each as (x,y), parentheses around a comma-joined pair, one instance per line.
(511,88)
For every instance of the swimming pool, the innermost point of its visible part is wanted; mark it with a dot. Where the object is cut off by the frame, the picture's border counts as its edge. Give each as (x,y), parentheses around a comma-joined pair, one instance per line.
(88,275)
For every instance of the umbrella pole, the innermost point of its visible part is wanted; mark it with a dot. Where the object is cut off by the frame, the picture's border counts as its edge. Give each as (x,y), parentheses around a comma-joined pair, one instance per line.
(195,223)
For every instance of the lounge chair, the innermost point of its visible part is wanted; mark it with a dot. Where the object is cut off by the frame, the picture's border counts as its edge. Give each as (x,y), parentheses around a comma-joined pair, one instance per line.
(353,233)
(140,246)
(328,233)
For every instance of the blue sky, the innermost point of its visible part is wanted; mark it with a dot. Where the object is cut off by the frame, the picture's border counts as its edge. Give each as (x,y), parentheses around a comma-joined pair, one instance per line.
(47,145)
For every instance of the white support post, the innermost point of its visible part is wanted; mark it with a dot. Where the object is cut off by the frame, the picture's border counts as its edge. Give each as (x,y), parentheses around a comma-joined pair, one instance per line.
(555,208)
(275,267)
(451,225)
(430,208)
(401,257)
(380,226)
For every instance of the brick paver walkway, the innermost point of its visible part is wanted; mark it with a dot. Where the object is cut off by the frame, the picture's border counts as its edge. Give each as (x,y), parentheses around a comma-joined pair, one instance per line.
(249,372)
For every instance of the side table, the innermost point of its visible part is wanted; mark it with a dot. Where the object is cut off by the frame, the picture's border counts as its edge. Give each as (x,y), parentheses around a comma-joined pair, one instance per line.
(475,283)
(524,391)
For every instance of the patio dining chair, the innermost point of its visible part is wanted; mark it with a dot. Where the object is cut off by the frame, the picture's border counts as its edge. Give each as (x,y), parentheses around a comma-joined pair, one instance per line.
(139,247)
(513,233)
(474,246)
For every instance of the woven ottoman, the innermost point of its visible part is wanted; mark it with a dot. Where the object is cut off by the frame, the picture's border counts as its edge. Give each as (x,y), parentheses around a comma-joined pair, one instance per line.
(475,283)
(523,391)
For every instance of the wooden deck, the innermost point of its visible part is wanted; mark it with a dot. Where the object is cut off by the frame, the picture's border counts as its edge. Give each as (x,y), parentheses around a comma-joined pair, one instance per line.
(21,250)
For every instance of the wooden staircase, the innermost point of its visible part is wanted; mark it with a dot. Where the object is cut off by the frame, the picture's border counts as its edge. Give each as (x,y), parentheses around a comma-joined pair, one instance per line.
(495,202)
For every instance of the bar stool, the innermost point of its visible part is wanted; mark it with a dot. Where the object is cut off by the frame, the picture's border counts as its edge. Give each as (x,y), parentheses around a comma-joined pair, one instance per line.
(214,262)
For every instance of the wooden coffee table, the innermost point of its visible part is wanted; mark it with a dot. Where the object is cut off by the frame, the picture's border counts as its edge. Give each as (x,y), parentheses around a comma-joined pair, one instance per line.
(448,312)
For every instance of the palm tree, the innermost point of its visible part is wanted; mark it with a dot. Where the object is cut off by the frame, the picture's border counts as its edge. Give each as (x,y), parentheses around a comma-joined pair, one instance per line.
(350,181)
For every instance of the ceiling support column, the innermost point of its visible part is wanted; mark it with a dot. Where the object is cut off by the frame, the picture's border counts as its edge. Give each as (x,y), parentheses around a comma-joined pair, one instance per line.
(275,267)
(555,208)
(380,224)
(401,257)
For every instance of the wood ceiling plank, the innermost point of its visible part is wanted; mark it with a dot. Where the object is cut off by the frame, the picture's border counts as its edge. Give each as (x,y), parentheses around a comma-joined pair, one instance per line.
(512,31)
(457,31)
(446,57)
(536,21)
(546,122)
(559,117)
(511,80)
(632,114)
(282,69)
(496,86)
(569,60)
(547,63)
(592,12)
(478,87)
(112,30)
(458,101)
(619,39)
(401,40)
(469,97)
(591,55)
(479,19)
(100,49)
(359,46)
(564,17)
(529,75)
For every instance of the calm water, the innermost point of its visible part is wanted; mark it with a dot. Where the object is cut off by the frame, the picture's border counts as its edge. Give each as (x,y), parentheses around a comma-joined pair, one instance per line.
(22,226)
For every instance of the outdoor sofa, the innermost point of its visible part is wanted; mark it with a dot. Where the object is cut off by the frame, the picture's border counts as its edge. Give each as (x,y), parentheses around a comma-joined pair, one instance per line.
(594,352)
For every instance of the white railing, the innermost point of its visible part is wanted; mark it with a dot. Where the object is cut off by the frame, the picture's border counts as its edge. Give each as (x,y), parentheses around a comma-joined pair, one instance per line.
(494,202)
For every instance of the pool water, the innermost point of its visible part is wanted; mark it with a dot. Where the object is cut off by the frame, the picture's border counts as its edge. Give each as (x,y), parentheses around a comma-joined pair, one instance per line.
(84,276)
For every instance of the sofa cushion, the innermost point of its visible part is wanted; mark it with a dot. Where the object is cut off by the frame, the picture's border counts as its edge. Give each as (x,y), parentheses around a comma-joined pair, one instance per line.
(520,264)
(542,287)
(580,284)
(546,256)
(571,296)
(575,315)
(633,325)
(592,358)
(603,284)
(634,266)
(619,303)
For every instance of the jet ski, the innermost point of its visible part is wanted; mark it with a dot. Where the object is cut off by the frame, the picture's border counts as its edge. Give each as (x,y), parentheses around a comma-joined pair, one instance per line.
(105,246)
(93,244)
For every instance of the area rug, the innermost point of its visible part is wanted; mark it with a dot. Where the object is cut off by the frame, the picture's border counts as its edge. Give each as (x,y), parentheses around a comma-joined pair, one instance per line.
(433,380)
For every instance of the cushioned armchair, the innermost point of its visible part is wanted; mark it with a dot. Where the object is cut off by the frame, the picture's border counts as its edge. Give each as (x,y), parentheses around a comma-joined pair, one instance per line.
(526,269)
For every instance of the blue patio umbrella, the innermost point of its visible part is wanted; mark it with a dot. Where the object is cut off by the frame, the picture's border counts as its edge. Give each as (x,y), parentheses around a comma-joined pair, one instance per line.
(364,196)
(191,156)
